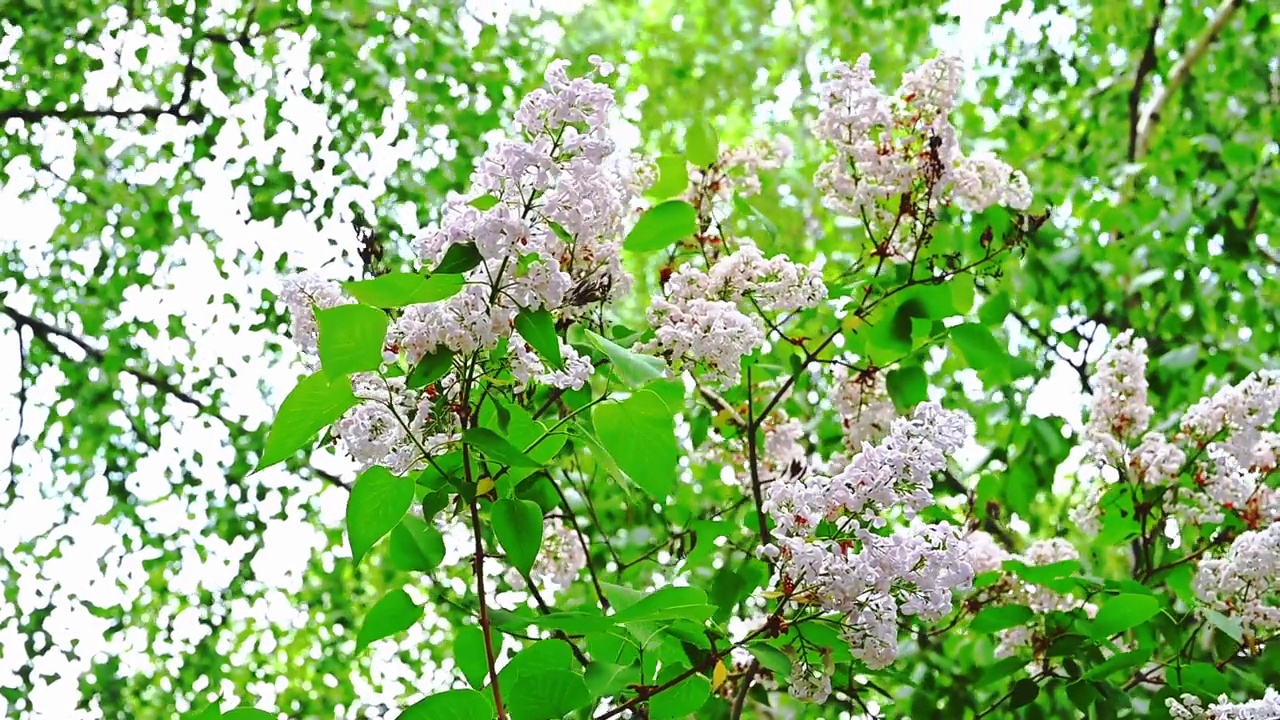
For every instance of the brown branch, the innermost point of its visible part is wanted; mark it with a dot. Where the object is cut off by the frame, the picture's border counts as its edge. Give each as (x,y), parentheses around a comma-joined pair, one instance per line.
(22,404)
(707,664)
(744,686)
(49,335)
(546,610)
(36,114)
(478,565)
(1179,74)
(1053,346)
(46,332)
(1146,64)
(582,540)
(753,459)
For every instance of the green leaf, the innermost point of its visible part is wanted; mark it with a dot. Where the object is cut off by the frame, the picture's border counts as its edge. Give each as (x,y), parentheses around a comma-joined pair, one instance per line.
(1118,662)
(247,713)
(1229,625)
(538,328)
(662,225)
(907,386)
(496,448)
(459,258)
(962,296)
(994,309)
(575,622)
(542,655)
(701,146)
(605,679)
(978,346)
(350,338)
(669,603)
(470,655)
(317,401)
(393,614)
(1067,645)
(1082,695)
(416,546)
(430,368)
(753,213)
(376,504)
(1199,678)
(397,290)
(546,694)
(994,619)
(1123,612)
(682,698)
(1001,669)
(635,370)
(1024,693)
(639,434)
(518,526)
(451,705)
(208,712)
(1042,574)
(484,202)
(771,658)
(673,177)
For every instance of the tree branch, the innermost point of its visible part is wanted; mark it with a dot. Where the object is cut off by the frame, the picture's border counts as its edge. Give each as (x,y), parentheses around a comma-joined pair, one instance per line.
(22,403)
(1179,74)
(1146,64)
(478,565)
(48,333)
(744,686)
(28,114)
(753,426)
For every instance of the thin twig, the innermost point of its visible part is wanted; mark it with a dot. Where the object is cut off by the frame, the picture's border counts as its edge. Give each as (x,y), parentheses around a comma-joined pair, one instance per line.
(582,539)
(753,459)
(48,335)
(1146,64)
(1180,72)
(545,609)
(478,564)
(22,405)
(744,685)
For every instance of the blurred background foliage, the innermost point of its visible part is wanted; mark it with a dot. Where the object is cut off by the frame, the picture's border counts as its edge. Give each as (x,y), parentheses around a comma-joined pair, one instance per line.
(161,163)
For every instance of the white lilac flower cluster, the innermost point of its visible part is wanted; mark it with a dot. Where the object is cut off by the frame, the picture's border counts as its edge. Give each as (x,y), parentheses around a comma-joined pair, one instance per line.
(863,403)
(559,561)
(863,571)
(303,294)
(702,319)
(1120,410)
(545,213)
(1190,707)
(1243,582)
(527,368)
(1223,443)
(986,555)
(736,171)
(1232,428)
(901,149)
(549,236)
(783,447)
(393,426)
(808,683)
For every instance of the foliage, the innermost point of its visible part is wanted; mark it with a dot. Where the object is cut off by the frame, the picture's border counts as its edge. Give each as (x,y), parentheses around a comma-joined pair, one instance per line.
(577,551)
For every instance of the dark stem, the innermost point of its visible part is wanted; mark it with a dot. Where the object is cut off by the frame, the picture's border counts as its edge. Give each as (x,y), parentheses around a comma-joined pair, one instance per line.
(753,458)
(744,685)
(478,564)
